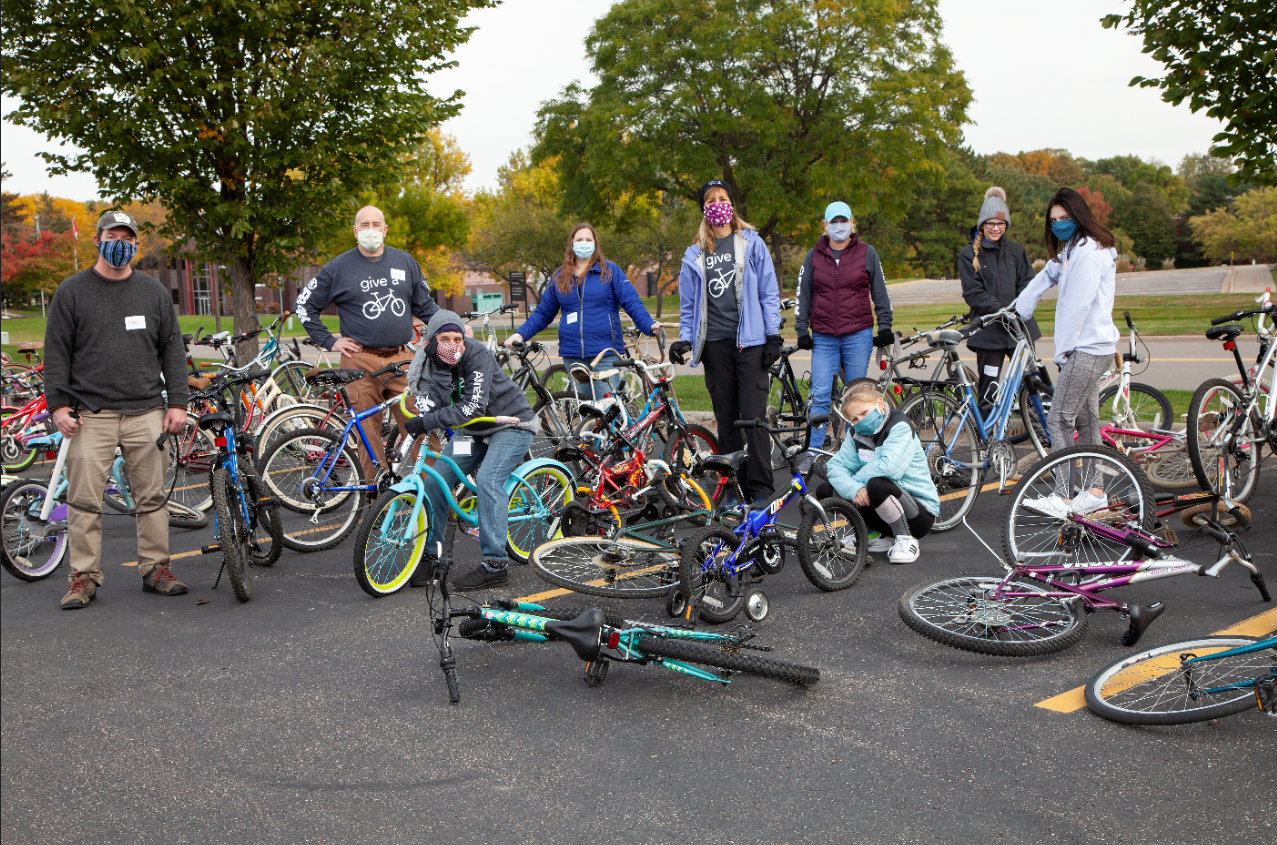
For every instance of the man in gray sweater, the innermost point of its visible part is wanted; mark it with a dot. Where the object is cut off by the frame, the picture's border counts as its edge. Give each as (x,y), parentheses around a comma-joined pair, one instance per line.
(112,338)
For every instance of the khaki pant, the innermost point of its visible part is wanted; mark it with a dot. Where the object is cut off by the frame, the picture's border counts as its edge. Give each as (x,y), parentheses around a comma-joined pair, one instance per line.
(89,460)
(368,392)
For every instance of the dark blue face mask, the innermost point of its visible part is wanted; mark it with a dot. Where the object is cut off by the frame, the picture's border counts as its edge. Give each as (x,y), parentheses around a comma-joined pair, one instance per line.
(117,253)
(1063,229)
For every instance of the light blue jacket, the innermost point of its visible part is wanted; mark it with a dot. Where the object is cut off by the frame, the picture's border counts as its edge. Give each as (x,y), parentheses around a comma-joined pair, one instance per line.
(898,457)
(757,295)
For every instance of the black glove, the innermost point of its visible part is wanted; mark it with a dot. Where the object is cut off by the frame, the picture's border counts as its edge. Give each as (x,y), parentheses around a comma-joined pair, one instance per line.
(771,351)
(415,426)
(886,337)
(804,341)
(678,351)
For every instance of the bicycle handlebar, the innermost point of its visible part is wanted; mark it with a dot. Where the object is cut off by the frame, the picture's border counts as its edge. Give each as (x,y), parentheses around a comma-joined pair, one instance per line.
(88,406)
(1240,315)
(1129,324)
(395,367)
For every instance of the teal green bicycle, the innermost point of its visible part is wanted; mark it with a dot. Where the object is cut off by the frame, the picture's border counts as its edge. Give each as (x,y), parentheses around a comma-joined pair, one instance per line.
(392,539)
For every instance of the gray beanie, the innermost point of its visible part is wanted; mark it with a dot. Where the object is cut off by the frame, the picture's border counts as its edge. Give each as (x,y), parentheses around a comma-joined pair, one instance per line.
(994,207)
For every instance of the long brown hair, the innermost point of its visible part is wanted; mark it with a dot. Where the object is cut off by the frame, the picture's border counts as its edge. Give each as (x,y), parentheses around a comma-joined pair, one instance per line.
(1087,226)
(565,276)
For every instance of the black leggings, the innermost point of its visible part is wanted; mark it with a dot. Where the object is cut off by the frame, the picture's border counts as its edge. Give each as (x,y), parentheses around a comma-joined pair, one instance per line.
(879,490)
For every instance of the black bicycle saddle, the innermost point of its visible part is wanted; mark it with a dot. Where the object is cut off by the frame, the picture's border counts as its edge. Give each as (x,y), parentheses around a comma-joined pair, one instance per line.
(334,376)
(1226,332)
(582,633)
(724,463)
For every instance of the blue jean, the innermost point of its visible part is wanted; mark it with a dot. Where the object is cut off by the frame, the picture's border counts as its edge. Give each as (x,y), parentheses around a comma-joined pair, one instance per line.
(829,354)
(607,362)
(496,456)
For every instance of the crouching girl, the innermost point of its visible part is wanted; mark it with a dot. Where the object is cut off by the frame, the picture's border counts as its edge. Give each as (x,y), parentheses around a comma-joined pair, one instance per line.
(881,469)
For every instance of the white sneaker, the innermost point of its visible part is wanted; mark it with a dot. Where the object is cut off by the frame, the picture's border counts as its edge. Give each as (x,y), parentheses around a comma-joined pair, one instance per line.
(1054,505)
(1086,501)
(905,550)
(881,543)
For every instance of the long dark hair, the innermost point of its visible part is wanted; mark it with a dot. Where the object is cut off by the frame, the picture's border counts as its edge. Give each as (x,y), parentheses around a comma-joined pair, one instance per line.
(1087,226)
(566,276)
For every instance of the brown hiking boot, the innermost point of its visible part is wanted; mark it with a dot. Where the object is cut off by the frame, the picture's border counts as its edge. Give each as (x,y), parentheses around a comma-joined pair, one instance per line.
(160,580)
(79,593)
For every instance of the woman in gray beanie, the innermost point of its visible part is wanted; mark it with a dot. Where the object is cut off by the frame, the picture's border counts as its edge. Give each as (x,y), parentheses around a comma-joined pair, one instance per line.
(994,271)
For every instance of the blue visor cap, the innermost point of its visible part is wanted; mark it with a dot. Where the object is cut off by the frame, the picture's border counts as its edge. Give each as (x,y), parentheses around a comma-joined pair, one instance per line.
(837,209)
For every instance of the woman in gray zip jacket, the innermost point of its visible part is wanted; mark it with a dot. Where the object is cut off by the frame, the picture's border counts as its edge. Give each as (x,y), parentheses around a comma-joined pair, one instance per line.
(729,318)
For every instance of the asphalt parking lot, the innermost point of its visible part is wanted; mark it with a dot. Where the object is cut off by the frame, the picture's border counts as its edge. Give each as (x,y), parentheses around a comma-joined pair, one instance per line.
(316,714)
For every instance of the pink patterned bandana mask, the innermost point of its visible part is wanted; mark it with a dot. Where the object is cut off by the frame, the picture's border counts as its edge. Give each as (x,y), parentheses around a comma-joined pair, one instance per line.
(450,353)
(718,213)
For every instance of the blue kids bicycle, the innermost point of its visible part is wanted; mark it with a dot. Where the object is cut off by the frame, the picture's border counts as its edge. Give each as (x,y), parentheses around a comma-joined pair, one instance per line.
(961,445)
(720,566)
(392,540)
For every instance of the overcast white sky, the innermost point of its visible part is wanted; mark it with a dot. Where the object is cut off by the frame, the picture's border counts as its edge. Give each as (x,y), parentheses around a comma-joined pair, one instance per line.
(1019,57)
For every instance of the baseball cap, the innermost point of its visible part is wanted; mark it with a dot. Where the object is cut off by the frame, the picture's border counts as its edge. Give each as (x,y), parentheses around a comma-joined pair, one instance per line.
(113,219)
(837,209)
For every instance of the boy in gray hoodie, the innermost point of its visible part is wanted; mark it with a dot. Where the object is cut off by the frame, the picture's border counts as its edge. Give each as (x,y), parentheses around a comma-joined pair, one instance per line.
(455,380)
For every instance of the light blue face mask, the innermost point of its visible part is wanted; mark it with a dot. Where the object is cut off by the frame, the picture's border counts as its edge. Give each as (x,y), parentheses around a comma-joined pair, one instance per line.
(583,249)
(870,422)
(1063,229)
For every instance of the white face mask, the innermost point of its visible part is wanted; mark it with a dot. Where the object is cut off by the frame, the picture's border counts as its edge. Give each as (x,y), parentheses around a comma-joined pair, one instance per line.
(371,239)
(839,231)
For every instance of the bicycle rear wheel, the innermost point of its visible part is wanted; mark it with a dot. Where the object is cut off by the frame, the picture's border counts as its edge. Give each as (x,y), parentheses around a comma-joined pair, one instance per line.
(315,515)
(31,549)
(1155,687)
(614,568)
(385,558)
(232,534)
(1213,407)
(1169,467)
(1037,527)
(686,650)
(682,451)
(946,445)
(963,613)
(1149,409)
(191,457)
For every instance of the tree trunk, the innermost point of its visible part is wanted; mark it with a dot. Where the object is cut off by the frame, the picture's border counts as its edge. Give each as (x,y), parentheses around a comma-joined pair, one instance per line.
(244,308)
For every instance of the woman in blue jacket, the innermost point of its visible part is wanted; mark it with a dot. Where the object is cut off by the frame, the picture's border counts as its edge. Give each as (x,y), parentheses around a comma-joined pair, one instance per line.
(882,470)
(730,318)
(590,291)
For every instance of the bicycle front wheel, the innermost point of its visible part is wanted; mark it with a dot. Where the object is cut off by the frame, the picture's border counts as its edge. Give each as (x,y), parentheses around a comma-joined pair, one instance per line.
(832,554)
(965,613)
(1038,528)
(232,534)
(1033,410)
(952,450)
(16,456)
(718,594)
(1147,409)
(686,650)
(682,452)
(1159,686)
(598,566)
(534,506)
(32,549)
(387,552)
(318,513)
(1212,410)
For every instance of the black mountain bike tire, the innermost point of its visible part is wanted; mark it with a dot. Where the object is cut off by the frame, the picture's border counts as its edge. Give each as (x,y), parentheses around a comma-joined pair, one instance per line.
(720,607)
(719,657)
(232,535)
(808,553)
(1169,686)
(269,528)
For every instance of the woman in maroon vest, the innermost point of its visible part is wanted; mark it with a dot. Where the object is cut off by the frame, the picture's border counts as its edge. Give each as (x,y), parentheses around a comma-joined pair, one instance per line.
(840,288)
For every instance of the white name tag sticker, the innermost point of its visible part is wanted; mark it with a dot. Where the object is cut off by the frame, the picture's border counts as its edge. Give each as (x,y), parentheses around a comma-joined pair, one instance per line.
(572,317)
(133,323)
(866,455)
(991,372)
(461,446)
(398,275)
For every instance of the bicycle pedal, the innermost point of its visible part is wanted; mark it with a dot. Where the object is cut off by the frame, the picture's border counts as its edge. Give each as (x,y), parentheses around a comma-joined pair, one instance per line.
(208,550)
(595,672)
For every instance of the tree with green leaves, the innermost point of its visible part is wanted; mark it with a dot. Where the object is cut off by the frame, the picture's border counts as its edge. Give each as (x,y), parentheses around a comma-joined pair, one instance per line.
(12,212)
(1248,232)
(249,120)
(1219,56)
(1146,218)
(791,103)
(938,223)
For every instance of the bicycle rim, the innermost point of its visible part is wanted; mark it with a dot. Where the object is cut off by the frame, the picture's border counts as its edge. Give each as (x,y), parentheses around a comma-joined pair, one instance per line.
(387,555)
(945,444)
(1156,687)
(599,566)
(1215,406)
(32,550)
(534,506)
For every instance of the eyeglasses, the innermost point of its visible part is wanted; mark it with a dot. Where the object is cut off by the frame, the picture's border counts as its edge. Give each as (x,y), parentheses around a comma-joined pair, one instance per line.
(994,224)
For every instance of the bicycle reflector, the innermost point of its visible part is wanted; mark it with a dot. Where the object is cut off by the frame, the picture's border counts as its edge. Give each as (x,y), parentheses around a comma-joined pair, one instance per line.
(882,365)
(1230,345)
(614,639)
(220,442)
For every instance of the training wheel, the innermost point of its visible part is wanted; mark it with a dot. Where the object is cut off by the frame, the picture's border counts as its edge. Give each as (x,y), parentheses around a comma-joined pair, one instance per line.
(756,606)
(675,603)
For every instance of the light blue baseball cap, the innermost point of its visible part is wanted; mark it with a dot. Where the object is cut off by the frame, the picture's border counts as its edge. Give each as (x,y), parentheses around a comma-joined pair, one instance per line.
(837,209)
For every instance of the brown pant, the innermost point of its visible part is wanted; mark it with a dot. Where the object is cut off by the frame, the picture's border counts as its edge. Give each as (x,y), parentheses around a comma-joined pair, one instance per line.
(368,392)
(89,460)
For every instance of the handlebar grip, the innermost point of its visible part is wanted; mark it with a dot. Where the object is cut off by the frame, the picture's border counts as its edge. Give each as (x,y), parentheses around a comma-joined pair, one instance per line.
(746,424)
(1240,517)
(388,369)
(819,420)
(1230,318)
(1217,533)
(1127,315)
(254,375)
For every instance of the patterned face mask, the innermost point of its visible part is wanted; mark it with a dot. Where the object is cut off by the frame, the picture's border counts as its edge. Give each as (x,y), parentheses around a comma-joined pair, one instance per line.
(718,213)
(118,253)
(450,353)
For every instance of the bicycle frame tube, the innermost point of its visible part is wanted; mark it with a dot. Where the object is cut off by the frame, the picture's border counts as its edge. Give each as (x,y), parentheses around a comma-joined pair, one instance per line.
(330,461)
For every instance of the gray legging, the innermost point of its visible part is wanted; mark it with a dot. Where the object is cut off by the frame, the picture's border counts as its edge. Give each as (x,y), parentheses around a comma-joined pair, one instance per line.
(1076,402)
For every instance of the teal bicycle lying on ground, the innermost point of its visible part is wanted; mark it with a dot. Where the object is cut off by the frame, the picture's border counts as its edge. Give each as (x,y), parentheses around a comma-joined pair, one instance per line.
(392,539)
(1190,681)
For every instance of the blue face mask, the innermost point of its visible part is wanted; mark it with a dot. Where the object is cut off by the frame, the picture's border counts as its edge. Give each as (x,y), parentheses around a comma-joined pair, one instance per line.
(117,253)
(870,422)
(1063,229)
(583,249)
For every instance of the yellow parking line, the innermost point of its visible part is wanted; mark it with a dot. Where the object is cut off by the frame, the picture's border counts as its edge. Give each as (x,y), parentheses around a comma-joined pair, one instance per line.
(1256,626)
(170,557)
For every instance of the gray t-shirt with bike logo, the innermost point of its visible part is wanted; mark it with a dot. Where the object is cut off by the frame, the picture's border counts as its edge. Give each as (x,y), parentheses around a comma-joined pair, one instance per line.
(376,299)
(721,281)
